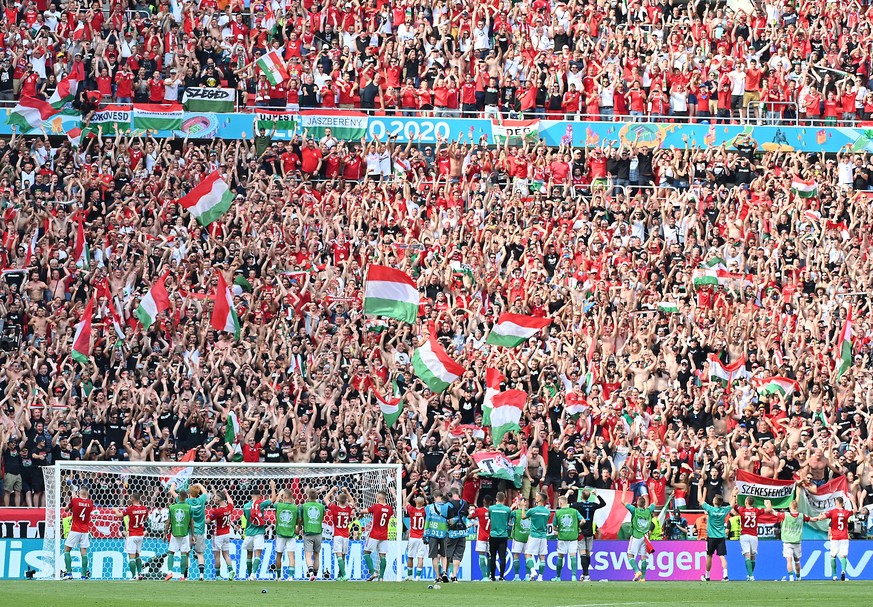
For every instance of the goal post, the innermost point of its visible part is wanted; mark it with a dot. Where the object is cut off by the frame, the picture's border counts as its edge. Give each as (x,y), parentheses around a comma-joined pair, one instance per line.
(111,484)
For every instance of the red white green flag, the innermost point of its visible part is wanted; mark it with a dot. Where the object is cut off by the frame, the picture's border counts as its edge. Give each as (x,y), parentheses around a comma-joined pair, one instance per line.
(506,414)
(726,373)
(82,336)
(432,365)
(843,355)
(493,379)
(209,199)
(224,317)
(273,66)
(513,330)
(156,301)
(391,293)
(776,385)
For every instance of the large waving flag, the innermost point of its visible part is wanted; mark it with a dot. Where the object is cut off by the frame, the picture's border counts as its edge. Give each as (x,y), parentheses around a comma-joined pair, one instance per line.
(761,488)
(512,330)
(432,365)
(609,519)
(82,336)
(224,317)
(67,87)
(273,66)
(391,293)
(823,499)
(156,301)
(391,407)
(726,373)
(30,113)
(506,413)
(805,188)
(493,379)
(776,385)
(843,355)
(231,437)
(209,199)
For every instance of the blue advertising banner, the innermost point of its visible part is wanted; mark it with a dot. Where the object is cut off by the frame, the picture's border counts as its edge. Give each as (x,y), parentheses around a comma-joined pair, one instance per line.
(672,561)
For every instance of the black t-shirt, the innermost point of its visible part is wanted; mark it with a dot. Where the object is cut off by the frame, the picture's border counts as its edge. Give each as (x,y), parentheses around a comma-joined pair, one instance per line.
(433,457)
(6,79)
(791,467)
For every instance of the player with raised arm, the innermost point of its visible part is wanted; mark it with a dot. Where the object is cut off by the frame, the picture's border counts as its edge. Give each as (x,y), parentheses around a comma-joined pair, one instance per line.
(520,537)
(340,511)
(81,508)
(198,498)
(377,542)
(222,516)
(416,549)
(180,525)
(641,522)
(839,518)
(537,548)
(716,534)
(749,515)
(791,532)
(585,544)
(286,529)
(256,528)
(483,535)
(436,530)
(136,514)
(567,521)
(312,521)
(498,516)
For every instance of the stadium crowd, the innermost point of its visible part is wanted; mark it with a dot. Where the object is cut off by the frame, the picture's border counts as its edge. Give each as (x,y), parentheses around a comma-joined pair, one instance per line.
(603,241)
(805,61)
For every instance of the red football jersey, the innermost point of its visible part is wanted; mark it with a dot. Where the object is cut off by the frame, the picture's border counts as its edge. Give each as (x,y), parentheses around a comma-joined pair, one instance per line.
(136,519)
(839,518)
(222,518)
(749,520)
(484,532)
(381,515)
(341,516)
(81,509)
(416,522)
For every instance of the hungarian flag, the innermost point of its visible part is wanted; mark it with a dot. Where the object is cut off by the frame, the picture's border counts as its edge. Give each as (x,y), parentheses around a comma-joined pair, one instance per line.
(432,365)
(156,301)
(823,499)
(82,336)
(74,136)
(512,330)
(461,429)
(804,188)
(775,385)
(31,248)
(506,413)
(180,476)
(493,379)
(494,464)
(726,373)
(103,291)
(761,488)
(574,404)
(30,113)
(209,199)
(391,293)
(157,117)
(609,519)
(273,66)
(391,407)
(843,355)
(67,87)
(729,280)
(224,317)
(81,252)
(716,263)
(231,437)
(668,307)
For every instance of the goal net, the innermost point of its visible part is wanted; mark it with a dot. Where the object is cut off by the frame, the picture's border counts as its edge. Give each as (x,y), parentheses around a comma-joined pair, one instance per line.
(111,484)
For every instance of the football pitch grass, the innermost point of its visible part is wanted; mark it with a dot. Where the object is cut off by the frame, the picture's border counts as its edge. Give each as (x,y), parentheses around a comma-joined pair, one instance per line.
(416,594)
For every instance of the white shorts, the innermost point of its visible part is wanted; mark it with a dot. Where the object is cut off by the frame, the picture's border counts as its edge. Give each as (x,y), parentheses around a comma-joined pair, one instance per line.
(340,545)
(199,543)
(133,544)
(749,544)
(416,548)
(567,546)
(536,546)
(221,543)
(77,539)
(518,547)
(376,546)
(636,546)
(839,548)
(285,544)
(483,547)
(179,544)
(253,542)
(585,545)
(791,551)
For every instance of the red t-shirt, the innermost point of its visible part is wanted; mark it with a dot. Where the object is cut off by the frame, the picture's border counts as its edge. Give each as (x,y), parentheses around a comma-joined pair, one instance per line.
(381,515)
(81,510)
(749,520)
(416,522)
(251,454)
(341,516)
(484,531)
(222,518)
(136,519)
(839,518)
(310,159)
